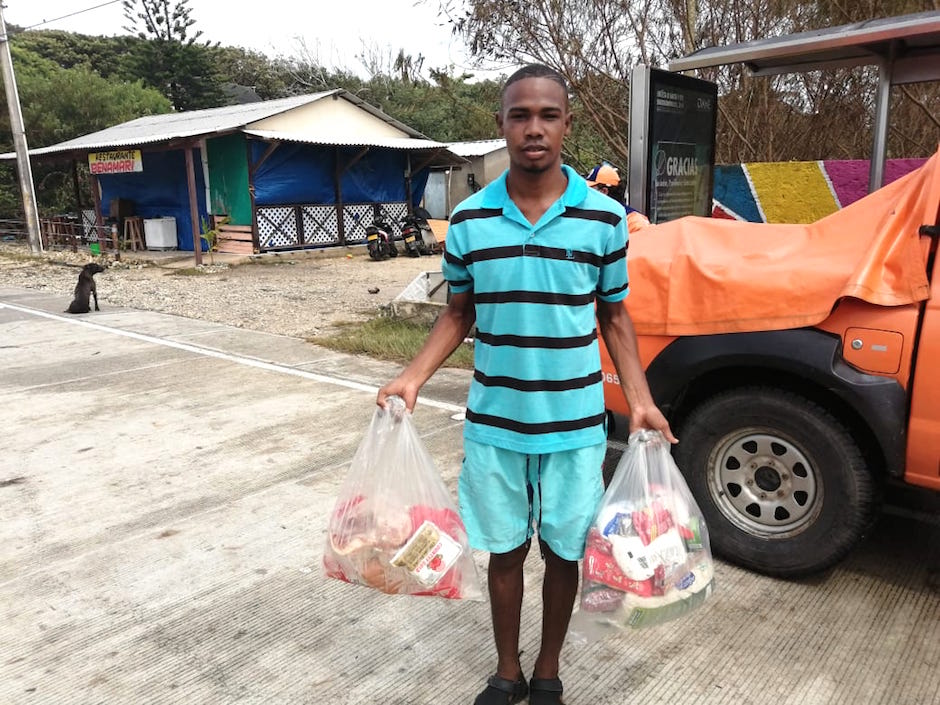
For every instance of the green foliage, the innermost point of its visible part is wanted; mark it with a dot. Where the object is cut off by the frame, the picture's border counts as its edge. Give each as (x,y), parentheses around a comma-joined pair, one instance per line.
(392,339)
(171,60)
(269,78)
(59,104)
(163,20)
(62,103)
(211,234)
(74,84)
(109,57)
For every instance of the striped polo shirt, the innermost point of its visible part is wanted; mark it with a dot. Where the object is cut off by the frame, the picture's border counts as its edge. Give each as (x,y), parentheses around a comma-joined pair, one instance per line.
(537,381)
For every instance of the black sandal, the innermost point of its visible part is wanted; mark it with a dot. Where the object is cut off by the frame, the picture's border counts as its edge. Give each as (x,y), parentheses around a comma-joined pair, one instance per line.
(502,691)
(545,691)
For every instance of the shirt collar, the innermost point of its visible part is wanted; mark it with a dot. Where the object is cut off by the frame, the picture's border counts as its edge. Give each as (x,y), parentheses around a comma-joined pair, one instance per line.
(496,195)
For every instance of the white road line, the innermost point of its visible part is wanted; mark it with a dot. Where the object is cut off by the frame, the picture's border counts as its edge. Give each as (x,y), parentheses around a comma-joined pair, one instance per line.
(87,378)
(458,411)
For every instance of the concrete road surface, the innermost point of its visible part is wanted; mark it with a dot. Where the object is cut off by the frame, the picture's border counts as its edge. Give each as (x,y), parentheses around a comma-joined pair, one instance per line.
(164,489)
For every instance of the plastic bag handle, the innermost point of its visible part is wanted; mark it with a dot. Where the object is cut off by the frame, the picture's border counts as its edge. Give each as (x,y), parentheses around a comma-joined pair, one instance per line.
(395,406)
(646,435)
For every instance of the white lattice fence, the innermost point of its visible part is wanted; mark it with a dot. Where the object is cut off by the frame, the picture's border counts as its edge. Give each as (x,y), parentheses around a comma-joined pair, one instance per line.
(319,224)
(277,227)
(356,217)
(90,224)
(392,213)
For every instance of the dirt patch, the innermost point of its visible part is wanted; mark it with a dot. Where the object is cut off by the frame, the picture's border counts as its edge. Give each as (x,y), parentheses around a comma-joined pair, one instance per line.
(298,296)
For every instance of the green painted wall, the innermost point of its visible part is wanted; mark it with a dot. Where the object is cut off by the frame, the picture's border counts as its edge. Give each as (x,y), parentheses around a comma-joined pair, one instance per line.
(228,178)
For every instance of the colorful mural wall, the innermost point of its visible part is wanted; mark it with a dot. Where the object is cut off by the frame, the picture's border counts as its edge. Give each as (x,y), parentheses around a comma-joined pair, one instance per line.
(795,192)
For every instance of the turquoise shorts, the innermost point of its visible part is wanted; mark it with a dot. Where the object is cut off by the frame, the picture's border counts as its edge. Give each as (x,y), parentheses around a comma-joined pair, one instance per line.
(506,497)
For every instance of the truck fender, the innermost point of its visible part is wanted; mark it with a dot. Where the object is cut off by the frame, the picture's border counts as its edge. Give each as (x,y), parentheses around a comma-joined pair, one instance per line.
(807,354)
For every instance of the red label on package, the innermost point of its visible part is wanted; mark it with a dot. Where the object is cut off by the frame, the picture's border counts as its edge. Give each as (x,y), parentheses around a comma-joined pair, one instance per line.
(600,567)
(652,521)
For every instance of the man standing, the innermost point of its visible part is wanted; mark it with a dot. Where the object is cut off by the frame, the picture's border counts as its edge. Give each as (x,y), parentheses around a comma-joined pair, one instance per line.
(527,258)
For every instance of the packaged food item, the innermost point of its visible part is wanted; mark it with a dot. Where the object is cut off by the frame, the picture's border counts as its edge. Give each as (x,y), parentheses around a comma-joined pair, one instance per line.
(394,527)
(647,559)
(428,554)
(692,590)
(600,568)
(652,520)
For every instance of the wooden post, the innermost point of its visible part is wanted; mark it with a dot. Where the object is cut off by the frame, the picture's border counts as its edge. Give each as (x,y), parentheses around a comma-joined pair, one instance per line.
(409,209)
(193,205)
(78,192)
(99,220)
(338,190)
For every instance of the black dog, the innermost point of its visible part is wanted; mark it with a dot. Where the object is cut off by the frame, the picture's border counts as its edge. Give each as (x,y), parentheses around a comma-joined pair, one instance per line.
(85,289)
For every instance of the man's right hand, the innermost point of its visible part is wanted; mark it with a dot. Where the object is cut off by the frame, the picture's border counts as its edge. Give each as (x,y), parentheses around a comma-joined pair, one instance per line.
(399,387)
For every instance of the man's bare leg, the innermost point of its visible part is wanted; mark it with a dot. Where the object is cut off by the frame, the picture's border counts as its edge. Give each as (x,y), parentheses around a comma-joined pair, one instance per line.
(505,587)
(559,590)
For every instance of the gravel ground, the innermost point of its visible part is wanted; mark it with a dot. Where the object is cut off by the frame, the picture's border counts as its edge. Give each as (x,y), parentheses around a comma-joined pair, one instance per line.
(298,294)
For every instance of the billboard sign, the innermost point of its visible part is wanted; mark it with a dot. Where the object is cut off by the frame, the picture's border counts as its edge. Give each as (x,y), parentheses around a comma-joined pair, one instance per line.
(672,144)
(115,162)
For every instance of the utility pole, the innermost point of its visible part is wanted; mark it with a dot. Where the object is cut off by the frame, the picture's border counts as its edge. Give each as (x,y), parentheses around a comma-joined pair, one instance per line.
(24,170)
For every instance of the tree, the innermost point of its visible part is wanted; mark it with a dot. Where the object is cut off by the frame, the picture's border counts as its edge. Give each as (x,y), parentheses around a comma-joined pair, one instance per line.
(171,59)
(163,20)
(596,43)
(269,78)
(106,56)
(59,104)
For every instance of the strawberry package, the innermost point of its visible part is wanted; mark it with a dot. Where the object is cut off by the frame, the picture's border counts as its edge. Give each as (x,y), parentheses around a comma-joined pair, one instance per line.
(394,527)
(647,560)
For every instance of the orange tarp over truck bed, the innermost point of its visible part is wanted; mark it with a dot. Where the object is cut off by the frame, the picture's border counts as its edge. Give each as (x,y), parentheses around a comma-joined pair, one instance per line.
(696,276)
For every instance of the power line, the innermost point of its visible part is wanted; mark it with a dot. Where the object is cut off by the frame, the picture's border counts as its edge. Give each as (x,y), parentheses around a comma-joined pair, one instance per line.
(72,14)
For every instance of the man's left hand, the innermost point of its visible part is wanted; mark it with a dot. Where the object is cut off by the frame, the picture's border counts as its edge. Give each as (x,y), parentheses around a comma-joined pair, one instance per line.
(651,417)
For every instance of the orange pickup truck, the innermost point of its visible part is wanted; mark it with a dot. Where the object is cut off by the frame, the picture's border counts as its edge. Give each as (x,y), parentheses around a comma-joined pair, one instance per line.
(798,366)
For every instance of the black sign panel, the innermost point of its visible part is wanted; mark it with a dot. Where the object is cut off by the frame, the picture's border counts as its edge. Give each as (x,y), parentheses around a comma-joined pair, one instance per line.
(678,146)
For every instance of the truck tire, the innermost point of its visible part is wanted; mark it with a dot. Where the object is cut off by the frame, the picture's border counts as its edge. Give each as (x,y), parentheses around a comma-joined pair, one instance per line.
(782,484)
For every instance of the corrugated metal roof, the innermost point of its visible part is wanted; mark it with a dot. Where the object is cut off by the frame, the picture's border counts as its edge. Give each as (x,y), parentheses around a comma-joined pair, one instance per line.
(411,144)
(152,129)
(351,141)
(908,36)
(477,148)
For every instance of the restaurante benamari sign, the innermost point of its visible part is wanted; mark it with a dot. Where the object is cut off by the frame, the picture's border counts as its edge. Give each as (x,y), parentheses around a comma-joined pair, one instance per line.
(117,162)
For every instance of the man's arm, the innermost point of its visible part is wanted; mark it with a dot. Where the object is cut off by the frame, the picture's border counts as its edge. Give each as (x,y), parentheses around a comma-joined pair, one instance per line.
(619,335)
(451,328)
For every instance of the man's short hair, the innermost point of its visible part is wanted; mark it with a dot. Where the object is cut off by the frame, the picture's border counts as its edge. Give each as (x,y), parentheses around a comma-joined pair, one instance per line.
(536,71)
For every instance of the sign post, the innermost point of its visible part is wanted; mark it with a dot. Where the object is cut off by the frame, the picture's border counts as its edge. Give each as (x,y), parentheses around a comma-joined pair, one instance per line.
(672,144)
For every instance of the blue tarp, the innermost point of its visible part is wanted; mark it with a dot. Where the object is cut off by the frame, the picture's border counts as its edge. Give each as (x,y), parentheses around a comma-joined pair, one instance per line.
(160,190)
(292,174)
(298,173)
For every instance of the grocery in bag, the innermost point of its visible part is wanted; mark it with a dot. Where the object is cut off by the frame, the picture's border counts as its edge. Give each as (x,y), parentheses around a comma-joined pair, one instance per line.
(647,559)
(394,527)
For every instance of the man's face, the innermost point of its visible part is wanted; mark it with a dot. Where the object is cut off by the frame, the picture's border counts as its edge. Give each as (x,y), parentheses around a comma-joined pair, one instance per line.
(534,119)
(603,188)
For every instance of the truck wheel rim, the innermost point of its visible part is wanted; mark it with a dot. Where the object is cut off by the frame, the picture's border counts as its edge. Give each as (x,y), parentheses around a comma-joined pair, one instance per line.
(763,483)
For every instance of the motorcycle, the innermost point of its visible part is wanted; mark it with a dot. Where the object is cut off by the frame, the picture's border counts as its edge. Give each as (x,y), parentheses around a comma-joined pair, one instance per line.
(427,243)
(411,235)
(379,240)
(427,235)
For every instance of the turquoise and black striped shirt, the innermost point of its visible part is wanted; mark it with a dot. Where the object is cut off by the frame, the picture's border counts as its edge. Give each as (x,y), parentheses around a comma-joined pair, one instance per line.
(537,384)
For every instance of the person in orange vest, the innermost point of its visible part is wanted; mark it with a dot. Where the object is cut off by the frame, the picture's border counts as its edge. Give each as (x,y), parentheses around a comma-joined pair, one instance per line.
(604,178)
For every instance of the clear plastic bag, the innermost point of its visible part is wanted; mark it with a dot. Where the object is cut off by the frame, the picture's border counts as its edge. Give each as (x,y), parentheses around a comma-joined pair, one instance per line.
(394,527)
(647,559)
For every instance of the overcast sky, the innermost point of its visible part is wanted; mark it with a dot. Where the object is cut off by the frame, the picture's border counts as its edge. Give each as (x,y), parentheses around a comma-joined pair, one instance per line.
(334,32)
